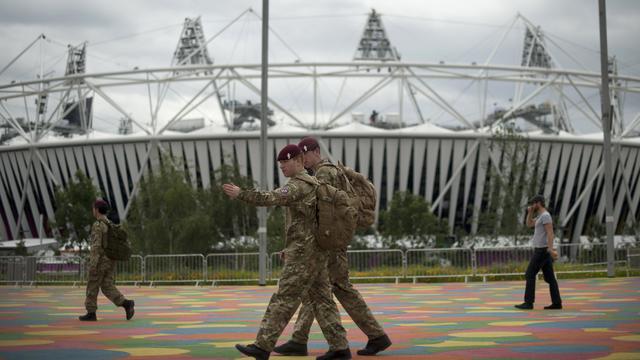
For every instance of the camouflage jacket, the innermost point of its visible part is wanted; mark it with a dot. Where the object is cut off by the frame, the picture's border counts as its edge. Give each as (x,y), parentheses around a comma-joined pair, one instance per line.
(98,237)
(299,198)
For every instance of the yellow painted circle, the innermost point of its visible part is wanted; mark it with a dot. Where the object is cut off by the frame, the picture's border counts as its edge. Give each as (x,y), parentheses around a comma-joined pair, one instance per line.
(516,323)
(62,332)
(489,334)
(144,351)
(24,342)
(620,356)
(455,343)
(627,338)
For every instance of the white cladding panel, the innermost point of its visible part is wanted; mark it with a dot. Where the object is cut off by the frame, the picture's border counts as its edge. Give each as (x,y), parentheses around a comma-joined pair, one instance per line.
(414,159)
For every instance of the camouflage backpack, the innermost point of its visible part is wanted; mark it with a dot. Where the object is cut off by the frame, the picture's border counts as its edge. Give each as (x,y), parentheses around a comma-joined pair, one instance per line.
(360,188)
(336,216)
(117,246)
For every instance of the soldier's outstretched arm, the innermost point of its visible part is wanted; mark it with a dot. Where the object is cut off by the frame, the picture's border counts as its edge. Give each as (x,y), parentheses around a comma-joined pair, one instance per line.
(283,196)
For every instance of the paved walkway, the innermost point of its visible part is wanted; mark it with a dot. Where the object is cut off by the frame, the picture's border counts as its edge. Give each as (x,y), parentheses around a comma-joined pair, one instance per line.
(601,320)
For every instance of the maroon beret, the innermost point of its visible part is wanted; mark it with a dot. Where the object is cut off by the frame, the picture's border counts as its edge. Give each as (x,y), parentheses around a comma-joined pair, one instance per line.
(289,152)
(308,143)
(99,203)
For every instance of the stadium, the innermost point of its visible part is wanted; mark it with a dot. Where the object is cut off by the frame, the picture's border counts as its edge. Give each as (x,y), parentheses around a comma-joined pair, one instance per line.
(48,131)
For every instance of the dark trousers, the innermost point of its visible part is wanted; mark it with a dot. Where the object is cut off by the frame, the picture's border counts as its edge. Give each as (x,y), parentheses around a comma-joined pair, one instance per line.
(541,260)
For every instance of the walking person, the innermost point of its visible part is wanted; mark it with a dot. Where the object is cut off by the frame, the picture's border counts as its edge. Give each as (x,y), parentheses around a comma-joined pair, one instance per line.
(338,268)
(543,256)
(305,269)
(101,268)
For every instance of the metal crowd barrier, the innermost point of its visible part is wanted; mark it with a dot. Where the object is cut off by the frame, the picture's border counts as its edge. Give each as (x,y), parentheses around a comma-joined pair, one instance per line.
(174,268)
(633,259)
(505,261)
(11,269)
(376,264)
(54,269)
(233,267)
(439,263)
(363,264)
(276,263)
(131,271)
(586,258)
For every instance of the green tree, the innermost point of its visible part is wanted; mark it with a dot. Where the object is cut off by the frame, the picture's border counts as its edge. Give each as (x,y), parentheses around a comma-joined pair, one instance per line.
(233,218)
(409,218)
(169,216)
(73,216)
(164,217)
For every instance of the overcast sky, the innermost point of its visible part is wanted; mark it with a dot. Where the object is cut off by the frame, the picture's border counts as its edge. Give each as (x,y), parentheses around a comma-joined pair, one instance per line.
(127,34)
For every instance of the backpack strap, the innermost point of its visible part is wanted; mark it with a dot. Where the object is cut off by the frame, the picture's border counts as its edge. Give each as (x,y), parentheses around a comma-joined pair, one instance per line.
(105,236)
(327,163)
(308,179)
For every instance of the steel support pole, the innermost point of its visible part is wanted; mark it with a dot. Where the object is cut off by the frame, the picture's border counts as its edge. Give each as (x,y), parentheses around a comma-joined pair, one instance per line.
(605,103)
(264,101)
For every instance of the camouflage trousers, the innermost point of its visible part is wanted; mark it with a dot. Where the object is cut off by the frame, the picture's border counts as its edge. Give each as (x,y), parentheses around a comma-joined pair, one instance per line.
(101,278)
(348,296)
(304,276)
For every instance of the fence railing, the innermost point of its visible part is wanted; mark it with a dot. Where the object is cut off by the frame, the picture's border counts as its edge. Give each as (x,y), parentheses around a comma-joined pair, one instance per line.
(376,264)
(54,269)
(233,267)
(412,264)
(502,261)
(439,263)
(175,268)
(131,271)
(633,258)
(11,269)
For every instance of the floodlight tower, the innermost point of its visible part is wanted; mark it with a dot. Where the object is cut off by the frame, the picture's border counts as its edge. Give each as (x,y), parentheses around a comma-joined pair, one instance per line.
(76,59)
(535,54)
(374,45)
(76,107)
(191,48)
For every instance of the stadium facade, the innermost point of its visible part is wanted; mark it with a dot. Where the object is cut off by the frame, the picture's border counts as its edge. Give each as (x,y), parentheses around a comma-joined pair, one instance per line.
(449,169)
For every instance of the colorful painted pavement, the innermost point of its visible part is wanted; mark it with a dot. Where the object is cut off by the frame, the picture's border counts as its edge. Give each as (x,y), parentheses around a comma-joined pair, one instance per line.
(601,320)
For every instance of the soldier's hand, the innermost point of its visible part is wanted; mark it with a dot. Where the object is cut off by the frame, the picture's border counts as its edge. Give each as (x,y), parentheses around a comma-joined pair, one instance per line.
(231,190)
(554,254)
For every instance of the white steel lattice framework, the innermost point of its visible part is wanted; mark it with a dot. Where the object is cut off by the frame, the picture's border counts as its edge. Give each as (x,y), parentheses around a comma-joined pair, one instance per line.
(448,168)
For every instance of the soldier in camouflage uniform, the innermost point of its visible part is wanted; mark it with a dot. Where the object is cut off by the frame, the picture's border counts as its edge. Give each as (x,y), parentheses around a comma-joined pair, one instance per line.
(338,268)
(305,269)
(101,268)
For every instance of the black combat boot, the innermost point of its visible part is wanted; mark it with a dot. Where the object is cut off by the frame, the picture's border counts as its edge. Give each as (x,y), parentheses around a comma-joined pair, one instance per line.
(336,355)
(253,351)
(524,306)
(292,348)
(128,306)
(90,316)
(376,345)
